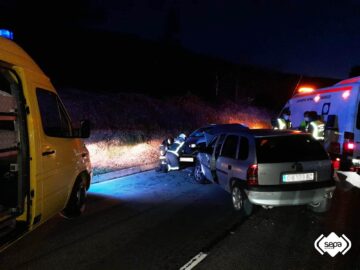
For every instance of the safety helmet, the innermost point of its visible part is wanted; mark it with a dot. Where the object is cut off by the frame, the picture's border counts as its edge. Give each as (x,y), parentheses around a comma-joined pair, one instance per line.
(182,136)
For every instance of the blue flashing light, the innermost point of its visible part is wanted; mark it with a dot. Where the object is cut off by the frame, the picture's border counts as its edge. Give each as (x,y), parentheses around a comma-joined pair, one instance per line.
(6,34)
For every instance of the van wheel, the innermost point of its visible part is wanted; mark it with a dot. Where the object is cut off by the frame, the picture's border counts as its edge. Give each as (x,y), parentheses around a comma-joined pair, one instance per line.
(199,177)
(320,207)
(240,201)
(76,204)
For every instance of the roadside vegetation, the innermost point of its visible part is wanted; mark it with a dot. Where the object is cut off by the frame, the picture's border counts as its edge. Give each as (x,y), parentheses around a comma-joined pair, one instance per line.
(127,129)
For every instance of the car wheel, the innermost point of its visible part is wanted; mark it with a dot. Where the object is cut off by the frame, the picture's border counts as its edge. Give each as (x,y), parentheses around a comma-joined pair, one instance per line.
(240,201)
(199,177)
(76,204)
(321,207)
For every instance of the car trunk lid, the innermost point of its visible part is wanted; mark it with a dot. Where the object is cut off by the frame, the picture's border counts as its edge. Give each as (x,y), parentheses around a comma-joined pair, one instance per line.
(291,159)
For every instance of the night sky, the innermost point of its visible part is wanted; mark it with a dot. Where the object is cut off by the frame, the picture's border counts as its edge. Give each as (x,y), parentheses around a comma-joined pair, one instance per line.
(318,38)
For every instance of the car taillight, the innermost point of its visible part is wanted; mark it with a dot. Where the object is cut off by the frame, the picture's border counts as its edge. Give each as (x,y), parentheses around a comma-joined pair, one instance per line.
(252,175)
(348,148)
(336,163)
(348,145)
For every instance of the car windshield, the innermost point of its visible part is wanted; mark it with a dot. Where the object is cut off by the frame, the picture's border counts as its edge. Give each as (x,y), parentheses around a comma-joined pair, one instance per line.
(289,149)
(199,132)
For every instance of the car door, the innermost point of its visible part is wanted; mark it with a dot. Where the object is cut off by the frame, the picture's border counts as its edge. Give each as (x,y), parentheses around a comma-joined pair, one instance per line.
(216,147)
(227,159)
(205,157)
(57,152)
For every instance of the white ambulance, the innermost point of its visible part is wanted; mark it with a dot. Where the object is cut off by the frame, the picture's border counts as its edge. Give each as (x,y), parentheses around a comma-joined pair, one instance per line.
(339,107)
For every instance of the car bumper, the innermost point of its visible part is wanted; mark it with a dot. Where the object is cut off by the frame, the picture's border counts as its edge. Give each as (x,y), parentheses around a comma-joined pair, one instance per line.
(293,197)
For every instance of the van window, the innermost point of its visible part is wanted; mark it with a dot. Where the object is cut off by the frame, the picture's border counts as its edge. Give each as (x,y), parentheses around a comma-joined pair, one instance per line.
(219,145)
(54,120)
(244,148)
(289,149)
(230,146)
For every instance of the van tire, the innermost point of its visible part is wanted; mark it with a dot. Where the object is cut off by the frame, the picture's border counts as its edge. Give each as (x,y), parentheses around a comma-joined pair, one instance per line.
(240,201)
(321,207)
(76,204)
(199,177)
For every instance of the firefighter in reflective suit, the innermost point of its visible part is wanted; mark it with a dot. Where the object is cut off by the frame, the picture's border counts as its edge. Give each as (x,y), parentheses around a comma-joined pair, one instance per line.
(163,149)
(174,151)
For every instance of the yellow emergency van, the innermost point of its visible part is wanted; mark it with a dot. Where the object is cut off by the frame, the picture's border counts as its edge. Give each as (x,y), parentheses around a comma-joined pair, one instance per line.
(44,165)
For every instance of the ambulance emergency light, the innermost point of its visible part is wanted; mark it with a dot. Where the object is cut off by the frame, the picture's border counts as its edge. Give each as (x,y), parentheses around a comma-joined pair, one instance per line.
(306,89)
(6,34)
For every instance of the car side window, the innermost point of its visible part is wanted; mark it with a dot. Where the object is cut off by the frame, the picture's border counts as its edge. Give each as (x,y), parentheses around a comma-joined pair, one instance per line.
(243,149)
(211,146)
(230,146)
(219,145)
(54,119)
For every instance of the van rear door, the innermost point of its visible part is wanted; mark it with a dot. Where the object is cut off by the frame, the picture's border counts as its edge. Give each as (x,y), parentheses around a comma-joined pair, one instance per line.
(291,159)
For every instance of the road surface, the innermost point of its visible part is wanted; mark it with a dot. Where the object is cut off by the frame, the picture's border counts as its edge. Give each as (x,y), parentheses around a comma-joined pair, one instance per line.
(160,221)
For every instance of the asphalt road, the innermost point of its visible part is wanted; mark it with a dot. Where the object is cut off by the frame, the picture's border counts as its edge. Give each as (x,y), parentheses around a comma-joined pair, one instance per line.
(161,221)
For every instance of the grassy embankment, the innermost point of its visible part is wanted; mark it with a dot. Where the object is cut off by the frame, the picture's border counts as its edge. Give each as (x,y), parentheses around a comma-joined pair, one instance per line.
(128,128)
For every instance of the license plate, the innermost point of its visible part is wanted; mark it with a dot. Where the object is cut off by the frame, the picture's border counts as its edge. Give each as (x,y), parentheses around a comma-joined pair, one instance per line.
(298,177)
(186,159)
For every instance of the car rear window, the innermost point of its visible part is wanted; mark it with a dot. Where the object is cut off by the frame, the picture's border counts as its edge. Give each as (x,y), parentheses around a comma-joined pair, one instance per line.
(289,149)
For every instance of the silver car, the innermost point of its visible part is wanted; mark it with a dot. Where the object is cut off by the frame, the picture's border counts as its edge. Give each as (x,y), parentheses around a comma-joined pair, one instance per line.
(268,168)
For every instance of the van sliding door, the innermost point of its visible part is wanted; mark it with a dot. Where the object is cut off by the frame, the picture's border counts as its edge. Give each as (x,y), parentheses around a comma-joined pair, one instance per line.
(13,145)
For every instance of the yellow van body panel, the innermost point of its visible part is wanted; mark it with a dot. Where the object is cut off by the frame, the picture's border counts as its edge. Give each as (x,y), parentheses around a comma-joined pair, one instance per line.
(51,177)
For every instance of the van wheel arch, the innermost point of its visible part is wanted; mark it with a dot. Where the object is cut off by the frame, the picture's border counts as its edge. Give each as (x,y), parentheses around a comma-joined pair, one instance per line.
(77,199)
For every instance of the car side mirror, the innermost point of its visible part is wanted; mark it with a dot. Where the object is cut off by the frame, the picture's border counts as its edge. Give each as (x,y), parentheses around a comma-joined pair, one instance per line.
(84,129)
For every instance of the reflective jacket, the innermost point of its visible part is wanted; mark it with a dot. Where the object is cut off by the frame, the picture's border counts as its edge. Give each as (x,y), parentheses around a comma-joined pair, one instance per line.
(283,124)
(177,146)
(317,129)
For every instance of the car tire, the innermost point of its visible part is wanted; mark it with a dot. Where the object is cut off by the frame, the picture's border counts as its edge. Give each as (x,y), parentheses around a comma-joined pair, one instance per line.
(240,201)
(76,204)
(199,177)
(321,207)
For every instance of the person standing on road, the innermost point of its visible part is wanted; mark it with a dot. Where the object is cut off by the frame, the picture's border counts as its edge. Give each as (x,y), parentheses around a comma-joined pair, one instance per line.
(304,126)
(316,126)
(283,122)
(173,153)
(164,146)
(313,124)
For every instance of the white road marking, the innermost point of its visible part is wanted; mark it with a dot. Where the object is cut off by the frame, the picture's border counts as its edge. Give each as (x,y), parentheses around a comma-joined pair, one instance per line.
(194,261)
(352,177)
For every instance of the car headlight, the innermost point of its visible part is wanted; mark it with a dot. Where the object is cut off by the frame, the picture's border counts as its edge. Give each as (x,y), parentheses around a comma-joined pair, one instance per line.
(193,145)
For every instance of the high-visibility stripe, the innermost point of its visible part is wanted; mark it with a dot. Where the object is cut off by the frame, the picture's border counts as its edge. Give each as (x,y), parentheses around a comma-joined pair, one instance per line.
(173,168)
(175,152)
(187,159)
(282,124)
